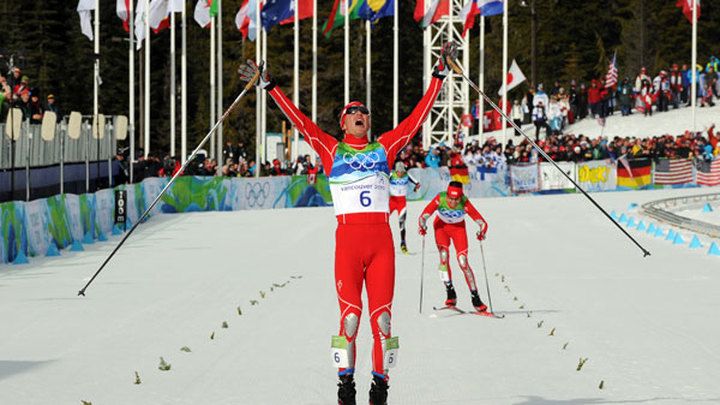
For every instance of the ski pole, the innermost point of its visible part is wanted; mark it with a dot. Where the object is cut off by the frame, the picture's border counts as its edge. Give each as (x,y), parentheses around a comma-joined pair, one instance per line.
(487,282)
(179,172)
(422,271)
(457,70)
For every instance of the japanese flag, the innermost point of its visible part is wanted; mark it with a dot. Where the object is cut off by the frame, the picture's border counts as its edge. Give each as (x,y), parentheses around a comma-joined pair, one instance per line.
(515,76)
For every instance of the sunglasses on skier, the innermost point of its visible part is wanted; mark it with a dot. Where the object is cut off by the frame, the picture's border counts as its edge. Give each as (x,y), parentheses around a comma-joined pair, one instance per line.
(361,108)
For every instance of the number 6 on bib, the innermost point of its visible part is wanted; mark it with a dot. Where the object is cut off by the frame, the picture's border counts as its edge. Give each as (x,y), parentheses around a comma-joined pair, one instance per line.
(365,199)
(392,345)
(339,351)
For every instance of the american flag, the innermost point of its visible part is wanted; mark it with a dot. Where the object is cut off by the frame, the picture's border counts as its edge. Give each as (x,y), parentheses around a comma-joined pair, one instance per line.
(673,171)
(611,77)
(708,173)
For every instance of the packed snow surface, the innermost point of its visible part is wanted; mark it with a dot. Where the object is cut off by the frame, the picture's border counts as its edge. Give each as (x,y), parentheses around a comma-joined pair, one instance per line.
(574,289)
(700,212)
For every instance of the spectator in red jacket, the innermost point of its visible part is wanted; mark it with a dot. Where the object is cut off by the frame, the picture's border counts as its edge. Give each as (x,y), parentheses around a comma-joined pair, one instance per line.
(594,97)
(604,95)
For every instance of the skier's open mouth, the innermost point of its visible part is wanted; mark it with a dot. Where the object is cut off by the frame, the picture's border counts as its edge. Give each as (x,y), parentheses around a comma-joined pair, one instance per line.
(360,123)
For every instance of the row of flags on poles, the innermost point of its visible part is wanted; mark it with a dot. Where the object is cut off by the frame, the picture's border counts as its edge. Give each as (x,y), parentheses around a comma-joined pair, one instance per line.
(371,10)
(440,8)
(274,12)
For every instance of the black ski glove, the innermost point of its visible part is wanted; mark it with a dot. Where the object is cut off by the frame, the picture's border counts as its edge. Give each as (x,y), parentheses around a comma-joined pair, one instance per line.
(442,68)
(247,72)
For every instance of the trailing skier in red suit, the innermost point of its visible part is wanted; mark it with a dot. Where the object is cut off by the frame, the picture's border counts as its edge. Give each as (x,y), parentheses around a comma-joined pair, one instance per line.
(452,206)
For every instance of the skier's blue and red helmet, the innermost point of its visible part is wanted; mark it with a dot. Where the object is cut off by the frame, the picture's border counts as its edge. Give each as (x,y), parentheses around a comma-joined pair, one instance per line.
(352,108)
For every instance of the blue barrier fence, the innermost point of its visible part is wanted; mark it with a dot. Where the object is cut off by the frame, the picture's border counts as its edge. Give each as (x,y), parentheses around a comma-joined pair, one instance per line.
(45,226)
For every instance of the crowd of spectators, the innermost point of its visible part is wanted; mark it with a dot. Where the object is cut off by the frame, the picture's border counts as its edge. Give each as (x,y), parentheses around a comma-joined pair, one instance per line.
(490,154)
(550,111)
(581,148)
(16,92)
(237,164)
(553,109)
(157,165)
(566,147)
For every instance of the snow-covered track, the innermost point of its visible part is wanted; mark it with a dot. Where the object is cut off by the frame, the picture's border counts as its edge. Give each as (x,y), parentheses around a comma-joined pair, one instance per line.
(662,210)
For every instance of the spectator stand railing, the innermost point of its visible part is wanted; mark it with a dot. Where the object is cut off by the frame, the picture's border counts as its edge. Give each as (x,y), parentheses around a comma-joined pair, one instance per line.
(48,146)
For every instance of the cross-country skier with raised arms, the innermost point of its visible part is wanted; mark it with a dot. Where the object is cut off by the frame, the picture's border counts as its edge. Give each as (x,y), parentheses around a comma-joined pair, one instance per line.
(358,172)
(399,181)
(452,206)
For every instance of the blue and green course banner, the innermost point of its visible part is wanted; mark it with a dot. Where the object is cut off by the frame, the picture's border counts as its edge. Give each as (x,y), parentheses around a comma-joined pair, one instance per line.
(46,226)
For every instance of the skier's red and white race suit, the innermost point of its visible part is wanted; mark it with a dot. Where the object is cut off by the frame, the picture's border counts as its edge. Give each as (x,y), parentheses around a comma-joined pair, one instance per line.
(450,227)
(364,252)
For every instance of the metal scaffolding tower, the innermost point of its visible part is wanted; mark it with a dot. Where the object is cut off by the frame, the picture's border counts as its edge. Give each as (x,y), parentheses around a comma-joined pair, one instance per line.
(446,114)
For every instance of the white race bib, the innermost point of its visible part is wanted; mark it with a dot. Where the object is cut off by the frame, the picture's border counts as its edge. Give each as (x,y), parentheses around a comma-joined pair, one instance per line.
(399,187)
(392,345)
(451,216)
(339,351)
(366,195)
(444,273)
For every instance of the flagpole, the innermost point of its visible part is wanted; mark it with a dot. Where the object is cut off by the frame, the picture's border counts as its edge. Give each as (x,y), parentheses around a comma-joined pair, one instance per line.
(396,62)
(694,63)
(463,84)
(346,86)
(183,88)
(481,82)
(451,84)
(368,76)
(259,141)
(314,72)
(427,54)
(211,153)
(263,99)
(146,131)
(219,89)
(172,83)
(131,86)
(505,70)
(96,74)
(296,75)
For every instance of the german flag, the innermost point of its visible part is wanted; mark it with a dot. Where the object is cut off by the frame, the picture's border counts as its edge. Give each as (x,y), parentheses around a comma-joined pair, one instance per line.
(636,173)
(460,173)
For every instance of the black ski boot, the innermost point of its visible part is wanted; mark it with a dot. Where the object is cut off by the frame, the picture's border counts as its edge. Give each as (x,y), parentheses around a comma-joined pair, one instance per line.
(346,390)
(378,391)
(477,302)
(451,300)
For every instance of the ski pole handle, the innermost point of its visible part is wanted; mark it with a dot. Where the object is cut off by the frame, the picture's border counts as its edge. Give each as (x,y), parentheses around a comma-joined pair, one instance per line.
(454,66)
(252,81)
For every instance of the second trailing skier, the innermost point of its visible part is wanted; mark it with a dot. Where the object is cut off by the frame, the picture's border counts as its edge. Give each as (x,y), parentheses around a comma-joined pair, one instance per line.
(452,206)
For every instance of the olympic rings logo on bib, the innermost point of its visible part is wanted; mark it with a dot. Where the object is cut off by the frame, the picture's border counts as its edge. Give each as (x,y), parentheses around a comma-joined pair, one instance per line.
(361,160)
(452,213)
